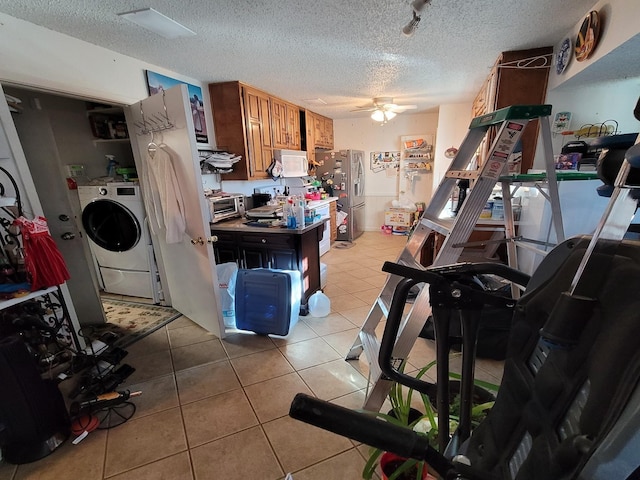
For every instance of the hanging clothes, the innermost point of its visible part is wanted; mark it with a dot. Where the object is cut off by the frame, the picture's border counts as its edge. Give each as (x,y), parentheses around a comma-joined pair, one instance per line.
(163,198)
(43,261)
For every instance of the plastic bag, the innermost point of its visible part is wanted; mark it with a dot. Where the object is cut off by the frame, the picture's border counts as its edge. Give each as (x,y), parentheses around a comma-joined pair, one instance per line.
(319,305)
(227,273)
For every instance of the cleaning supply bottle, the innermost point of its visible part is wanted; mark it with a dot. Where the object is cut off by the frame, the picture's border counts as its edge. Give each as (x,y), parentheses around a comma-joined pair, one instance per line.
(299,211)
(111,166)
(289,213)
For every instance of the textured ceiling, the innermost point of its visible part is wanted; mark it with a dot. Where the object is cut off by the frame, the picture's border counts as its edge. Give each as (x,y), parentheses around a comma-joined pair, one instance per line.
(342,52)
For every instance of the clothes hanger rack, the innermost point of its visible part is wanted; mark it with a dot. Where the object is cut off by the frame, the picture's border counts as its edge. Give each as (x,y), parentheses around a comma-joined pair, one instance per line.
(154,122)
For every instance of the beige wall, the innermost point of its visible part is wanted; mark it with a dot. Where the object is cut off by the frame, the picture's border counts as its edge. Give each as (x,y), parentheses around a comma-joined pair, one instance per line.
(364,134)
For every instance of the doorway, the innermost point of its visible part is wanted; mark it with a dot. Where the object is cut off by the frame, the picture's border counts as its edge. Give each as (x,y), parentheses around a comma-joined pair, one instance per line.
(57,135)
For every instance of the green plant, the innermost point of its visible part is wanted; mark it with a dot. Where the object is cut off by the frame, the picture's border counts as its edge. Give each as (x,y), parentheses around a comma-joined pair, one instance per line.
(400,414)
(426,424)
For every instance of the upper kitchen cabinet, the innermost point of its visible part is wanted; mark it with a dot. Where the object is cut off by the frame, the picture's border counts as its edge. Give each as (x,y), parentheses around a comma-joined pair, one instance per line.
(517,78)
(323,131)
(318,132)
(242,118)
(285,118)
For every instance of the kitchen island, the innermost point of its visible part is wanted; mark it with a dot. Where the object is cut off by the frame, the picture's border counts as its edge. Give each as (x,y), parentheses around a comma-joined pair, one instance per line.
(272,247)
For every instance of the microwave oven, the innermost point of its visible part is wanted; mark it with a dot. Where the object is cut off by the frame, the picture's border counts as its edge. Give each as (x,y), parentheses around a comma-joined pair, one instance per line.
(294,162)
(224,206)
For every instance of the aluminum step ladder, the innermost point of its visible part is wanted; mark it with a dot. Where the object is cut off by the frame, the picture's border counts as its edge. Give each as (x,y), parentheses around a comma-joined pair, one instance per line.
(510,123)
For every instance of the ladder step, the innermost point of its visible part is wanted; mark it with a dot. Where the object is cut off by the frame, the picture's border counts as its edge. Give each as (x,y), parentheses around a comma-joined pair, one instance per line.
(462,174)
(514,112)
(440,225)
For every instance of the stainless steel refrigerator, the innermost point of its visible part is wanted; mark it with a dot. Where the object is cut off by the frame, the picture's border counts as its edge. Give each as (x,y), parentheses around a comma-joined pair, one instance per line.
(342,175)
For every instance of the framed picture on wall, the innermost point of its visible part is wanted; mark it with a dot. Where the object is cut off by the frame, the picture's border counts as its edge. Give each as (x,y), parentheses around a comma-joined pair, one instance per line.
(157,83)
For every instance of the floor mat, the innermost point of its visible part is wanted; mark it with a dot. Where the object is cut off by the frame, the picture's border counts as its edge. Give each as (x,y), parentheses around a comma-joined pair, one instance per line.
(343,245)
(132,321)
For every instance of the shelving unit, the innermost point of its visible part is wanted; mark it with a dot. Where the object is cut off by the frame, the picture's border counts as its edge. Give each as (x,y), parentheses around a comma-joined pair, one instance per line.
(416,166)
(108,125)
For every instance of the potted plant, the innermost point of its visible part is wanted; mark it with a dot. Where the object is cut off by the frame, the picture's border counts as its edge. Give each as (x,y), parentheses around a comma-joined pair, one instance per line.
(424,422)
(403,414)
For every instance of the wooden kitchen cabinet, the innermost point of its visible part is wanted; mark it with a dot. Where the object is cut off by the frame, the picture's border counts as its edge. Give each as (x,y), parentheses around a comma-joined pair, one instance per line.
(309,143)
(226,248)
(281,249)
(285,120)
(513,81)
(323,131)
(268,251)
(328,133)
(318,132)
(242,121)
(251,123)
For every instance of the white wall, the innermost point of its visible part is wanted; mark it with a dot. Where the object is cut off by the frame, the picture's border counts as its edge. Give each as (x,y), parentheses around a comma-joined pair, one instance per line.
(364,134)
(36,57)
(619,24)
(453,126)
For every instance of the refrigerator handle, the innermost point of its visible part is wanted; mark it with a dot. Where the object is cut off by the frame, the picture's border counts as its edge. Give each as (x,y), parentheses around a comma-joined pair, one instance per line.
(359,180)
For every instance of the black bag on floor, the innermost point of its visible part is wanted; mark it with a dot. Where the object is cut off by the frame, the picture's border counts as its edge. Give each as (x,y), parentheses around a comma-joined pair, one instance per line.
(493,334)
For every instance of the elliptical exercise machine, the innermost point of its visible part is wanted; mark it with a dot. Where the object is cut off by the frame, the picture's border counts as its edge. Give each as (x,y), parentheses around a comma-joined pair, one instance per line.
(569,403)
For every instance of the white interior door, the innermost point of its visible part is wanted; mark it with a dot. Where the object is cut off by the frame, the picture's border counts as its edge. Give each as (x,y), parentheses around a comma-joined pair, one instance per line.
(187,267)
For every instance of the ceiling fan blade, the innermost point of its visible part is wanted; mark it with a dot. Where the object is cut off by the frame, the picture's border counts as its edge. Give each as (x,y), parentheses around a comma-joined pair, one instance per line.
(402,108)
(365,109)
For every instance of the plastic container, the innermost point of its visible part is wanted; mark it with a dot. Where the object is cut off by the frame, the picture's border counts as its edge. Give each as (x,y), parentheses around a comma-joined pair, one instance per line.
(487,210)
(319,305)
(497,213)
(298,209)
(267,301)
(111,166)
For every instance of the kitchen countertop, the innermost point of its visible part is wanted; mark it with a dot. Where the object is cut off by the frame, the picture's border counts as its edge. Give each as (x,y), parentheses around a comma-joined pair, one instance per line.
(239,225)
(319,203)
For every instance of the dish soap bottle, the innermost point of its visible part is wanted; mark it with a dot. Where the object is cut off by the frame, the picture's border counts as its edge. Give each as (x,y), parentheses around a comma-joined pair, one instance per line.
(111,166)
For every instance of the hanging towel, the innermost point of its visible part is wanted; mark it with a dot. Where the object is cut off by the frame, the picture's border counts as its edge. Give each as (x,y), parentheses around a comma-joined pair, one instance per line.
(164,204)
(43,261)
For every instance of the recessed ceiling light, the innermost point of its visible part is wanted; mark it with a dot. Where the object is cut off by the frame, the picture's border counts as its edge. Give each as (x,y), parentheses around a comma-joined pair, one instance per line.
(158,23)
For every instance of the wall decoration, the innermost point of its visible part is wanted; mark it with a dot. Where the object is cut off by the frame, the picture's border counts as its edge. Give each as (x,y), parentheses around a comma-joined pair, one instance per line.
(563,56)
(588,36)
(561,122)
(384,160)
(158,83)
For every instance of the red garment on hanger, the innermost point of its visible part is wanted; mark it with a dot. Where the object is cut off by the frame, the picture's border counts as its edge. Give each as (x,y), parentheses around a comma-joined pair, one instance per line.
(42,259)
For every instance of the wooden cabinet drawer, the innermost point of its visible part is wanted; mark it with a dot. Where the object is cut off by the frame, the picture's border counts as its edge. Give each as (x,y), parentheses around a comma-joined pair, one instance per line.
(282,241)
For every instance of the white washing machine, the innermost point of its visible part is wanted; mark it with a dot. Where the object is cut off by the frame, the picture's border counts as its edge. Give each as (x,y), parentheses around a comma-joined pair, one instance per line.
(113,218)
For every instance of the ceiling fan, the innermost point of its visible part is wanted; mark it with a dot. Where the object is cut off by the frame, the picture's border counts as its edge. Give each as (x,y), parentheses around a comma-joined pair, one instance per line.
(383,109)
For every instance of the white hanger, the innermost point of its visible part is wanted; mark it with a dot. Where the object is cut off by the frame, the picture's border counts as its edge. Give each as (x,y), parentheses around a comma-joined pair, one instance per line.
(152,148)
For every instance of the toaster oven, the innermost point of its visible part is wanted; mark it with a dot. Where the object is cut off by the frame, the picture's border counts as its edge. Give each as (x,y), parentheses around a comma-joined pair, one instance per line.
(223,206)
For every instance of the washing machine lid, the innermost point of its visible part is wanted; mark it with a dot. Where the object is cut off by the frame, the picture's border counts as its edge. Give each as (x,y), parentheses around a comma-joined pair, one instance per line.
(111,225)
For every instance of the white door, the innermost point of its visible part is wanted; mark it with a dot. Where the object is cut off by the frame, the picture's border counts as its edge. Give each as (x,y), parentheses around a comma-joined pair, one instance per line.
(187,267)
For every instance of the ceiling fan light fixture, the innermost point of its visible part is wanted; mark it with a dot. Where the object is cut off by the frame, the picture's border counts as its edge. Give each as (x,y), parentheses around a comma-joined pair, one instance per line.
(378,115)
(410,28)
(389,115)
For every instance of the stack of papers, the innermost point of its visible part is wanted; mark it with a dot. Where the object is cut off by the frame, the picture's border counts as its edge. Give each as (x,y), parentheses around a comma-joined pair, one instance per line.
(222,162)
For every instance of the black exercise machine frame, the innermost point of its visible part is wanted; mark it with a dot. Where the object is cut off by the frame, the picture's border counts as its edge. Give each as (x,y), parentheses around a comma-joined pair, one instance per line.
(451,288)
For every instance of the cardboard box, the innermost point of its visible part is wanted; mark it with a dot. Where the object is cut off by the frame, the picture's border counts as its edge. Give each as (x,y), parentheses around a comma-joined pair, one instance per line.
(399,217)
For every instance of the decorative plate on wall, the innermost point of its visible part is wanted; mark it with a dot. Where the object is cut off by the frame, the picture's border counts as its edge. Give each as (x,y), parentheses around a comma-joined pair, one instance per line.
(588,36)
(563,57)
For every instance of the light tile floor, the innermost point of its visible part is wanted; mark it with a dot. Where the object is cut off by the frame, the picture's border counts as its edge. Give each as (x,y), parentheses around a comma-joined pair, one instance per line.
(217,409)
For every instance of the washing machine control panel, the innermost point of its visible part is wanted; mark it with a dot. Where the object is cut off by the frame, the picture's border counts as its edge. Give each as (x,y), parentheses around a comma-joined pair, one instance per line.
(103,191)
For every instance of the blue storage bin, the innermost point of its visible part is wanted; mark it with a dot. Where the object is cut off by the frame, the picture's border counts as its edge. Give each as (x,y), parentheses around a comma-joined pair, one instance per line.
(267,300)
